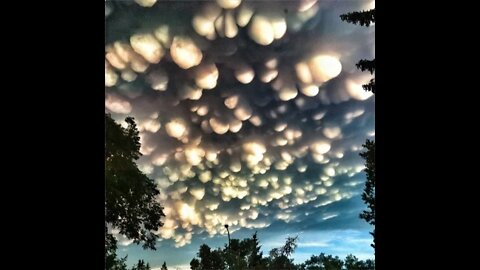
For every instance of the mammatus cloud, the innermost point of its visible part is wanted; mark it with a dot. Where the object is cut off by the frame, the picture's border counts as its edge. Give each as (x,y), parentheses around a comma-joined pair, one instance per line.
(247,111)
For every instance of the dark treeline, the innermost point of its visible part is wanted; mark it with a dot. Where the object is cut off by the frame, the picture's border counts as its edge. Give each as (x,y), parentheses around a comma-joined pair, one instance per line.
(365,18)
(246,255)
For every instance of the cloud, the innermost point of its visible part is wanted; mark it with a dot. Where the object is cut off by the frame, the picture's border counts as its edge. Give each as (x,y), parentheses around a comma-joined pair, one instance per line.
(249,115)
(116,104)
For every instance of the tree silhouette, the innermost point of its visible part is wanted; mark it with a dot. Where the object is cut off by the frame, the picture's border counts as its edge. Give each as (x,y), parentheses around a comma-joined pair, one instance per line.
(368,195)
(289,247)
(255,261)
(330,262)
(164,266)
(141,266)
(359,17)
(352,263)
(112,262)
(364,18)
(131,205)
(314,263)
(195,264)
(211,260)
(246,255)
(279,257)
(366,65)
(236,254)
(322,262)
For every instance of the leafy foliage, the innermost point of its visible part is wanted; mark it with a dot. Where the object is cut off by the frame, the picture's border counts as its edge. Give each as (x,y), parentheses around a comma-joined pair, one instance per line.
(352,263)
(364,18)
(246,255)
(131,204)
(141,266)
(366,65)
(370,86)
(368,195)
(130,198)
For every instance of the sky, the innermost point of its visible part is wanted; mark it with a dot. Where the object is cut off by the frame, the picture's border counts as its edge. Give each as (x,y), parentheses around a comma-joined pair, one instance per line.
(251,114)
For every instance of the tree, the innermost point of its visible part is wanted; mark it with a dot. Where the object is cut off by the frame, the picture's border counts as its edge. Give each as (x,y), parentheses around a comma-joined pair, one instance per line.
(352,263)
(322,262)
(164,266)
(112,262)
(289,247)
(368,195)
(236,254)
(255,261)
(244,254)
(239,255)
(130,203)
(279,257)
(359,17)
(364,18)
(330,262)
(314,263)
(195,264)
(211,260)
(141,266)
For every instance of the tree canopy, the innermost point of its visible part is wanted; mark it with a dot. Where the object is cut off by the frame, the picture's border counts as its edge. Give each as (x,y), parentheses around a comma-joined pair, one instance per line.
(363,18)
(246,255)
(131,197)
(368,195)
(141,266)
